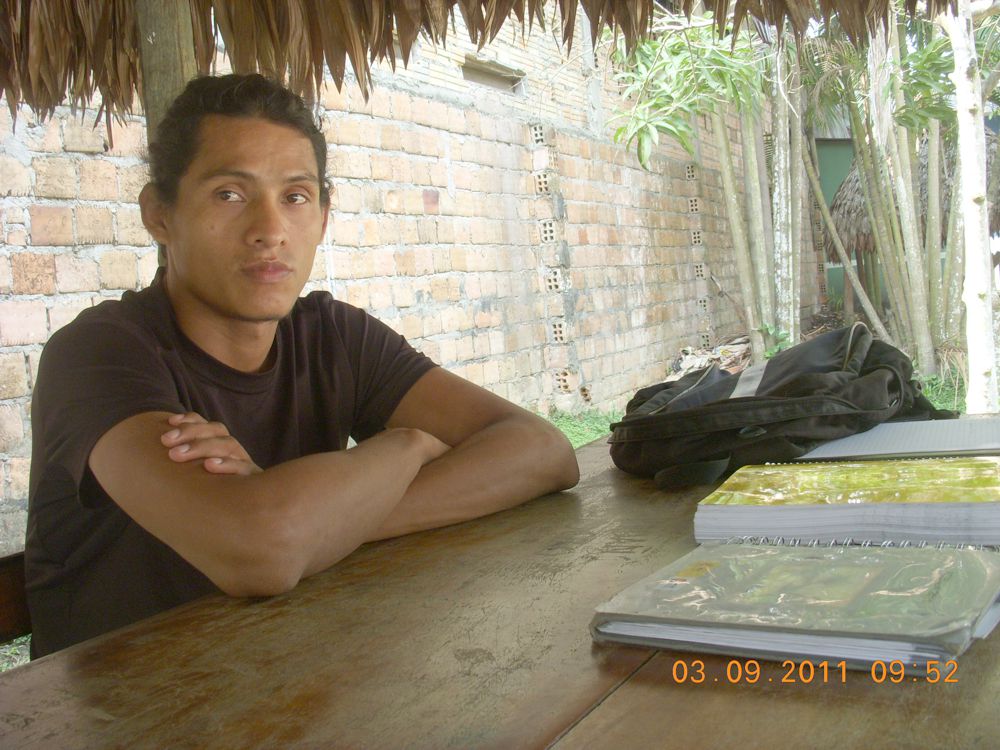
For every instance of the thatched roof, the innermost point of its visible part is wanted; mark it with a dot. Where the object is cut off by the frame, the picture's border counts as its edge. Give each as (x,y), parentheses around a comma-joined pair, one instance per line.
(63,51)
(851,218)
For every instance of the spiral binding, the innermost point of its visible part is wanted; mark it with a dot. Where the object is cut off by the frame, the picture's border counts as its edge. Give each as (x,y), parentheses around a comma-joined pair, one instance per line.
(780,541)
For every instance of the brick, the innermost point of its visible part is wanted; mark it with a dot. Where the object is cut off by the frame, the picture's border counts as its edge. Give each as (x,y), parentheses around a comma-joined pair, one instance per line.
(19,472)
(65,312)
(402,105)
(131,180)
(333,98)
(380,294)
(93,225)
(33,358)
(23,322)
(76,274)
(354,164)
(83,137)
(17,237)
(318,270)
(391,138)
(130,228)
(15,177)
(6,277)
(128,139)
(384,168)
(118,270)
(344,131)
(51,225)
(98,180)
(42,136)
(34,273)
(348,198)
(384,261)
(357,295)
(393,201)
(13,375)
(11,428)
(55,177)
(148,263)
(381,102)
(402,294)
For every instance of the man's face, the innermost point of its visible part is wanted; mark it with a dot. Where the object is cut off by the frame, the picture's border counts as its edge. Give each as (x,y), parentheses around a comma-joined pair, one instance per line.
(242,234)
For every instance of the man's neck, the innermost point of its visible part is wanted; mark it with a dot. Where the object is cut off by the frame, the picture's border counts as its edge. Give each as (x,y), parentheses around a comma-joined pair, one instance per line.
(244,345)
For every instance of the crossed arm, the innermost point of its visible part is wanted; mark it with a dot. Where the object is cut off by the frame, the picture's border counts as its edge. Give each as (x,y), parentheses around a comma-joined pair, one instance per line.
(452,451)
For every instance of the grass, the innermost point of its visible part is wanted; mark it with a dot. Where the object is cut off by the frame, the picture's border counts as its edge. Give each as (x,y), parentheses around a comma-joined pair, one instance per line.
(947,390)
(14,653)
(584,427)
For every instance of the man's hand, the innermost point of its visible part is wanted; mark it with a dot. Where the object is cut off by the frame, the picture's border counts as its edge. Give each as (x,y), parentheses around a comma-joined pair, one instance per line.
(191,437)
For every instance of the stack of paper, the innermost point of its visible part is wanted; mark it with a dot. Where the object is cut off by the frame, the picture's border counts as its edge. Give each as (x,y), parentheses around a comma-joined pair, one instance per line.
(938,500)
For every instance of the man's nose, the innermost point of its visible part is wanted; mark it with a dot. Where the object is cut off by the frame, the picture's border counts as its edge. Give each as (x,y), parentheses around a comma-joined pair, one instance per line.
(267,225)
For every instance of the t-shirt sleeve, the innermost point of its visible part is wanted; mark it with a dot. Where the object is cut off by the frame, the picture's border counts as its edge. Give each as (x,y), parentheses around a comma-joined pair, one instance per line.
(92,375)
(385,365)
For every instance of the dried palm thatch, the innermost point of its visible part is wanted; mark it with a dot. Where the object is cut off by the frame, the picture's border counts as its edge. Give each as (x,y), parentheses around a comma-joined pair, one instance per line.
(56,51)
(851,217)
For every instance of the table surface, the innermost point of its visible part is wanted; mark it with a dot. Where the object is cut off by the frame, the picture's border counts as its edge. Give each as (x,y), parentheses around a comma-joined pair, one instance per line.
(470,636)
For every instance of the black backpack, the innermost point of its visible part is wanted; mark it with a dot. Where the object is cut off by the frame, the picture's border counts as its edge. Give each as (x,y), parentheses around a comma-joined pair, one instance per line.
(710,422)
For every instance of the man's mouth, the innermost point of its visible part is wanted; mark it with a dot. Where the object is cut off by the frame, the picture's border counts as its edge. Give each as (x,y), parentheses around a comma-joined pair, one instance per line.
(267,272)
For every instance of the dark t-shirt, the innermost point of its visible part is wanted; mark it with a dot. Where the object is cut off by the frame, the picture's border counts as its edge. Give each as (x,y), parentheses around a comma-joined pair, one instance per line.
(338,372)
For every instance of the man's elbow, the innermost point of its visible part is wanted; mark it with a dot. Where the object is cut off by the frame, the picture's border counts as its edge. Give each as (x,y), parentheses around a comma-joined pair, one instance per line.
(560,458)
(266,560)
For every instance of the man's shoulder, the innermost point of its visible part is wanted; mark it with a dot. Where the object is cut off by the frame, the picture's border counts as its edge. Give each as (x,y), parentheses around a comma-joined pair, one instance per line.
(319,309)
(135,316)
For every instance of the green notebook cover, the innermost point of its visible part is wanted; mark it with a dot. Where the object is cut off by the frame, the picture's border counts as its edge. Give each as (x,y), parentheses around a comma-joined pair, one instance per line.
(860,604)
(936,500)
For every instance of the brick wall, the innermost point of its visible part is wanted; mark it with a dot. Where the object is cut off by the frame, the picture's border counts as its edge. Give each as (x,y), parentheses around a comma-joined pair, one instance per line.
(500,231)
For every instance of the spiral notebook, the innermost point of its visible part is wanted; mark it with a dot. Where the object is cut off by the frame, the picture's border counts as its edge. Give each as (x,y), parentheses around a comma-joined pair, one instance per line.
(935,500)
(856,604)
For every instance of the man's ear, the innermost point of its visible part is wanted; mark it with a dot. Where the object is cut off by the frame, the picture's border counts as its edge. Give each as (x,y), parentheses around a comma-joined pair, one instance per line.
(154,213)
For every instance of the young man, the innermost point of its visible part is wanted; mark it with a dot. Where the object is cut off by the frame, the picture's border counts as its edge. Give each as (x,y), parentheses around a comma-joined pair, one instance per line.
(192,436)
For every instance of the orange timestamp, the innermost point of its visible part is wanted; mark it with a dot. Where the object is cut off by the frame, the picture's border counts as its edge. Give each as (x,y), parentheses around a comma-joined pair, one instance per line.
(748,672)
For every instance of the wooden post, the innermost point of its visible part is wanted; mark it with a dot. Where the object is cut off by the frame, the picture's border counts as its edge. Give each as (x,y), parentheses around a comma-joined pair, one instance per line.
(166,53)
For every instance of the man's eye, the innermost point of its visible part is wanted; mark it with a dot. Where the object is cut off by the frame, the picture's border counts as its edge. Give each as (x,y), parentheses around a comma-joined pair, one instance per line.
(228,195)
(298,198)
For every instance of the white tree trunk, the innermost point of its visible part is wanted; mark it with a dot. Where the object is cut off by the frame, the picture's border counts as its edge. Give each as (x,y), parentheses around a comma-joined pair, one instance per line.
(785,303)
(913,248)
(981,394)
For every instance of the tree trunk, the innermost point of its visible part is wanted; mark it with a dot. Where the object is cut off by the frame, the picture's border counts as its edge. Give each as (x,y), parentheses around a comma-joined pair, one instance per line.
(759,242)
(899,145)
(977,294)
(932,237)
(783,202)
(737,229)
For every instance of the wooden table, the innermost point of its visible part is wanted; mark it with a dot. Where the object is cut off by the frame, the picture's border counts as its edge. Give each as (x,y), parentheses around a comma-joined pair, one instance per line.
(470,636)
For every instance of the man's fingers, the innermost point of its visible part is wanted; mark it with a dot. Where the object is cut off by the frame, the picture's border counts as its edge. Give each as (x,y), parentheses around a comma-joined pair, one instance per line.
(191,431)
(242,467)
(187,417)
(212,447)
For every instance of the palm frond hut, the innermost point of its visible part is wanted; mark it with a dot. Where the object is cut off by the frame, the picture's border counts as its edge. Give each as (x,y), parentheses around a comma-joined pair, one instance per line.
(851,217)
(56,52)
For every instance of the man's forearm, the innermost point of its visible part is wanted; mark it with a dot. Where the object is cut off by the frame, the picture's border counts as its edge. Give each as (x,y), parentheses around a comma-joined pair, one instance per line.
(501,466)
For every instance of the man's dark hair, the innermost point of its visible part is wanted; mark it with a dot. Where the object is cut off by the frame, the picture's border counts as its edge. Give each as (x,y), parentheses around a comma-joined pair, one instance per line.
(176,142)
